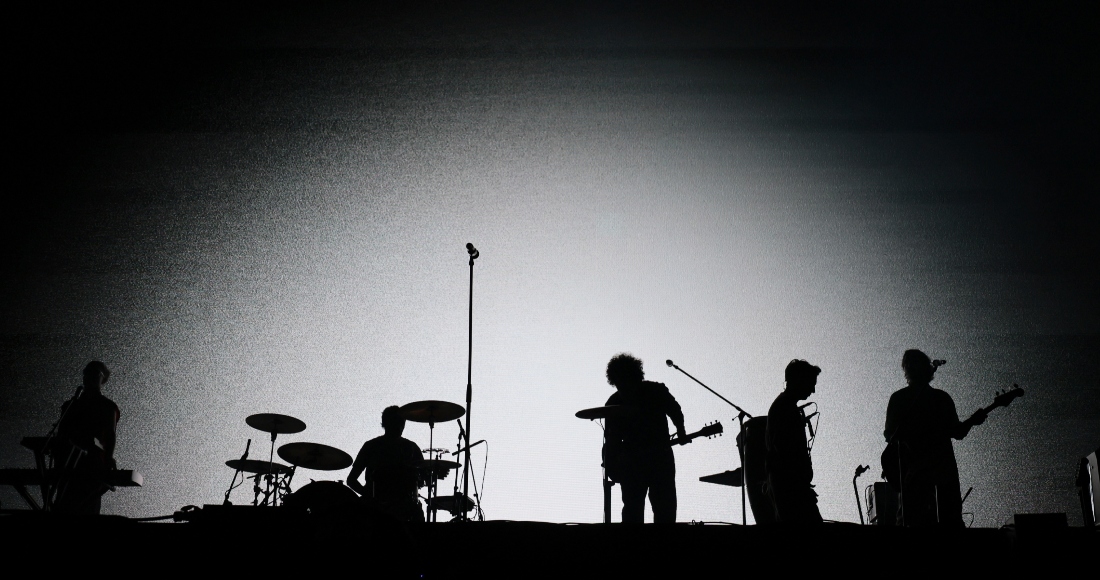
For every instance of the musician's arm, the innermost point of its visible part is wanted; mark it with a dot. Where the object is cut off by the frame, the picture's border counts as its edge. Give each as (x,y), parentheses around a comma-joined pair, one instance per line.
(891,420)
(357,469)
(962,428)
(108,441)
(674,412)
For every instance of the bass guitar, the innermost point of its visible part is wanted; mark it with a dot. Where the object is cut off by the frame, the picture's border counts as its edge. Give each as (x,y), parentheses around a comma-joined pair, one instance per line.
(889,459)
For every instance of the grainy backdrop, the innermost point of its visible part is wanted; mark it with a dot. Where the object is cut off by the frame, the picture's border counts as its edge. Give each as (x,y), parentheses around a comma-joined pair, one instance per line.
(263,209)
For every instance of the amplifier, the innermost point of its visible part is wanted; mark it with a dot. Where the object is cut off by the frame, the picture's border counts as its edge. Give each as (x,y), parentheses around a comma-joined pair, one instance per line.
(882,504)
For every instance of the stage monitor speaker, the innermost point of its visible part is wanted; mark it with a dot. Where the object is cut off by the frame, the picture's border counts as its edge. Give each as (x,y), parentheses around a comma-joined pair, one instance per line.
(882,504)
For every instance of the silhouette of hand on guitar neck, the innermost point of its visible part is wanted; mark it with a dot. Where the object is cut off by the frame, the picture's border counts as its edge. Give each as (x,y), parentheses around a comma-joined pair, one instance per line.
(619,459)
(889,458)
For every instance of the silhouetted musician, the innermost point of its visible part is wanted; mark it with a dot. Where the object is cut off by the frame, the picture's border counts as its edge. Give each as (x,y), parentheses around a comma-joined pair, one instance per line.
(637,454)
(790,469)
(920,423)
(390,466)
(85,445)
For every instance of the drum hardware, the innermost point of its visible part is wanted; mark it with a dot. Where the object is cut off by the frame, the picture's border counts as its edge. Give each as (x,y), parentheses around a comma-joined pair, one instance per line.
(236,471)
(456,505)
(274,424)
(604,413)
(431,412)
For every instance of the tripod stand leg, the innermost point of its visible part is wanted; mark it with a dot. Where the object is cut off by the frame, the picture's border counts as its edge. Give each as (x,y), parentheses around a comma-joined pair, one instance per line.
(607,483)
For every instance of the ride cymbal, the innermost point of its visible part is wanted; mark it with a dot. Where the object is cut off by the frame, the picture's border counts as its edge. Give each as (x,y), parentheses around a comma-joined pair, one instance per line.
(431,411)
(274,423)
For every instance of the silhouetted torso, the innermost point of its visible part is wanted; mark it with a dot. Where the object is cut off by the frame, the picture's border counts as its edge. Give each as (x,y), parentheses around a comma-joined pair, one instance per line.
(637,454)
(89,424)
(789,467)
(390,462)
(923,420)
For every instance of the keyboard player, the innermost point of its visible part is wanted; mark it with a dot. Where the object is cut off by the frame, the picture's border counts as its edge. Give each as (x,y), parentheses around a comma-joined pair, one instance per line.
(87,428)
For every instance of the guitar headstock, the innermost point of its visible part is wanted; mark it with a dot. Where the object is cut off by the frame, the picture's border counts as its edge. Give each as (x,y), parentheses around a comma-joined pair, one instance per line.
(712,429)
(1006,396)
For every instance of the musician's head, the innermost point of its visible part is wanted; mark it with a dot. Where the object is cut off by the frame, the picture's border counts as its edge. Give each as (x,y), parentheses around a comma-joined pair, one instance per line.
(392,421)
(623,370)
(95,375)
(917,366)
(801,378)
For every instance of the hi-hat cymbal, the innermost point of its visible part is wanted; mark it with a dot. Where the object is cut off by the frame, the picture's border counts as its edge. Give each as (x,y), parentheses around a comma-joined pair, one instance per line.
(436,464)
(314,456)
(610,411)
(258,466)
(273,423)
(431,411)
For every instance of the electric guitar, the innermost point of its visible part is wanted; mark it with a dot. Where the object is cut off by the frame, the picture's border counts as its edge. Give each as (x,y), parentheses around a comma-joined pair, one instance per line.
(621,461)
(890,468)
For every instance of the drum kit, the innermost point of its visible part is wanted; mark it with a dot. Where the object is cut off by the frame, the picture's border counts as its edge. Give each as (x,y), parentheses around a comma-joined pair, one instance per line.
(434,469)
(276,477)
(271,479)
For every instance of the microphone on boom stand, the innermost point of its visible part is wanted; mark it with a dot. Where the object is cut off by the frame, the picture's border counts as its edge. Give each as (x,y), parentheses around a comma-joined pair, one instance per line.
(472,251)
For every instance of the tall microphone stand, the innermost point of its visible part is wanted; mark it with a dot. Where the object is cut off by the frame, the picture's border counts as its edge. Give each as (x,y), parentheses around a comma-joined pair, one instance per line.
(469,383)
(741,414)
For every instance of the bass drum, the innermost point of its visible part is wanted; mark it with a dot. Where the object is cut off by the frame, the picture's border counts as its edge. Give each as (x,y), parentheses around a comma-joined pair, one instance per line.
(322,496)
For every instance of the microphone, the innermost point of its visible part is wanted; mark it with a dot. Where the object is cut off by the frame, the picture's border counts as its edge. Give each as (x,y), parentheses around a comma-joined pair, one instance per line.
(860,469)
(809,424)
(669,362)
(473,251)
(461,431)
(938,363)
(246,448)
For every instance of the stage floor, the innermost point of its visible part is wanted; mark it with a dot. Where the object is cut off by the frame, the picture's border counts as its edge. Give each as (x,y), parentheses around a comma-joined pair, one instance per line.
(243,539)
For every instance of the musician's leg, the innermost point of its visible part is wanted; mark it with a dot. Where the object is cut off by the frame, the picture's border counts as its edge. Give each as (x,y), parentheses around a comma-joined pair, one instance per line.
(662,496)
(633,501)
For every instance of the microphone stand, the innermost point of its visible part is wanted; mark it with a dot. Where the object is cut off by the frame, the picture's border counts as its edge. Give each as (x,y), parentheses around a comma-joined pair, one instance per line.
(469,381)
(859,507)
(741,414)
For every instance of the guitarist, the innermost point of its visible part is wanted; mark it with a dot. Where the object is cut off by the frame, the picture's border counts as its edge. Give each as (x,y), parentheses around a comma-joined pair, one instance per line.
(637,454)
(920,424)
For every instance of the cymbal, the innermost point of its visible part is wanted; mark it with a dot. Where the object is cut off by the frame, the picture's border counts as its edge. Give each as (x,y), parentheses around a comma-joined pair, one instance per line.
(610,411)
(273,423)
(258,466)
(314,456)
(451,503)
(436,464)
(431,411)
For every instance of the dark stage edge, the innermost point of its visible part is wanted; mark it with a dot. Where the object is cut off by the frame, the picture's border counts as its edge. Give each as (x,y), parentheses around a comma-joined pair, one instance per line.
(272,540)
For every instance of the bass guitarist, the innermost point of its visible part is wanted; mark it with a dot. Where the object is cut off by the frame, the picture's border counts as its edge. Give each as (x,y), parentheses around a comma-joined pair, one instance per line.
(637,455)
(920,423)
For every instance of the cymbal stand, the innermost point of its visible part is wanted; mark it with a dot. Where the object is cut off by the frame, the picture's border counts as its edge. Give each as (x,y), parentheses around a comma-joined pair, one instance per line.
(257,490)
(432,491)
(233,482)
(741,449)
(270,469)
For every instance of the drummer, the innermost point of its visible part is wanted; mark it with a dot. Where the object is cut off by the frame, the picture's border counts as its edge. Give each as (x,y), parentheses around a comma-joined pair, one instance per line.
(389,463)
